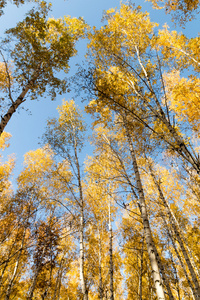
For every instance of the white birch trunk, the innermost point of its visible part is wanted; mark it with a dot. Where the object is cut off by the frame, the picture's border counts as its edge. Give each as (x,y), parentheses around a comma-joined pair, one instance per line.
(111,254)
(100,271)
(82,276)
(81,230)
(178,236)
(141,269)
(180,146)
(179,258)
(147,232)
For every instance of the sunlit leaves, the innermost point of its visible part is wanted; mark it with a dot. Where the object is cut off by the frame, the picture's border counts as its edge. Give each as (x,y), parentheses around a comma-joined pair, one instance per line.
(43,47)
(184,98)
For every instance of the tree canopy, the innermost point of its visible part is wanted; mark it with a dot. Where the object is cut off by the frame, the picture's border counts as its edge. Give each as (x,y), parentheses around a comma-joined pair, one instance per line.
(121,222)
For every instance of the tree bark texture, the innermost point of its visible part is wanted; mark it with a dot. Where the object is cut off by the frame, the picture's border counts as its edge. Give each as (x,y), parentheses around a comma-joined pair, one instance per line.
(147,232)
(179,239)
(111,254)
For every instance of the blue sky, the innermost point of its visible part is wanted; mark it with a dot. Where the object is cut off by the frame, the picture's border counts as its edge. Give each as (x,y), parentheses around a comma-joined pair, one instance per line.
(27,126)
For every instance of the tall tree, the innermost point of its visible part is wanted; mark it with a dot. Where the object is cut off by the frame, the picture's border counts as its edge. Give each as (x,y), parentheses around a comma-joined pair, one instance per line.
(127,75)
(65,136)
(42,48)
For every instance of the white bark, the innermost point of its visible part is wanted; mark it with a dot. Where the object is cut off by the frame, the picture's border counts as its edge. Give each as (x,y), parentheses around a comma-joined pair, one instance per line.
(147,232)
(141,269)
(179,239)
(100,270)
(111,254)
(180,259)
(81,229)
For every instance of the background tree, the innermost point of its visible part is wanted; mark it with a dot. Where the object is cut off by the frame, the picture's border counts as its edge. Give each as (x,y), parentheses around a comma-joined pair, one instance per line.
(42,48)
(65,136)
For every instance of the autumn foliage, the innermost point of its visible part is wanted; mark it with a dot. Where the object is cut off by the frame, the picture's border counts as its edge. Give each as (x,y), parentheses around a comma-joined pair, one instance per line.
(122,223)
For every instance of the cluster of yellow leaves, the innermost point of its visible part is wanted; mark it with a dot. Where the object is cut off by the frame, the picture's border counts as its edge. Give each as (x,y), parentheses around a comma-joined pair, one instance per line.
(45,45)
(127,27)
(4,139)
(43,174)
(181,10)
(116,84)
(176,48)
(70,116)
(6,169)
(4,81)
(184,95)
(185,5)
(62,34)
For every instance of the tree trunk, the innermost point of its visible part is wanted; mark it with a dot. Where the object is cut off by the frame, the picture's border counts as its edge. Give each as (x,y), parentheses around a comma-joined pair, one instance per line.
(180,146)
(81,230)
(165,280)
(176,231)
(147,232)
(100,271)
(5,119)
(180,259)
(111,254)
(173,219)
(30,296)
(59,277)
(82,277)
(9,289)
(141,269)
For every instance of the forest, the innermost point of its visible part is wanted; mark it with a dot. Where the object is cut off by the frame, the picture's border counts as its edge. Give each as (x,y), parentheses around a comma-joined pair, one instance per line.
(123,221)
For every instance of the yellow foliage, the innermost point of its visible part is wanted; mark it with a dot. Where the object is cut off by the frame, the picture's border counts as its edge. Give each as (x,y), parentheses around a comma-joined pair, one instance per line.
(70,116)
(4,79)
(181,10)
(176,48)
(42,173)
(4,139)
(184,95)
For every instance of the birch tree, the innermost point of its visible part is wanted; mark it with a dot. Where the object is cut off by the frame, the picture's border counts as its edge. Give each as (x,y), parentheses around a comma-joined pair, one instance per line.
(42,48)
(65,136)
(127,61)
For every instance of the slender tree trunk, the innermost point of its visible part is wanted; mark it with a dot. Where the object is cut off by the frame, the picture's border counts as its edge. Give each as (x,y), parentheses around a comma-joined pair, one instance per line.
(141,269)
(58,279)
(180,259)
(6,262)
(82,276)
(173,220)
(111,254)
(100,271)
(147,232)
(30,296)
(9,289)
(165,280)
(5,119)
(178,236)
(180,147)
(176,274)
(59,285)
(2,274)
(82,260)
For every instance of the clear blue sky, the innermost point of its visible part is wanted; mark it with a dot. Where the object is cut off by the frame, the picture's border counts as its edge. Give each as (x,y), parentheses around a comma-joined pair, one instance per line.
(26,128)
